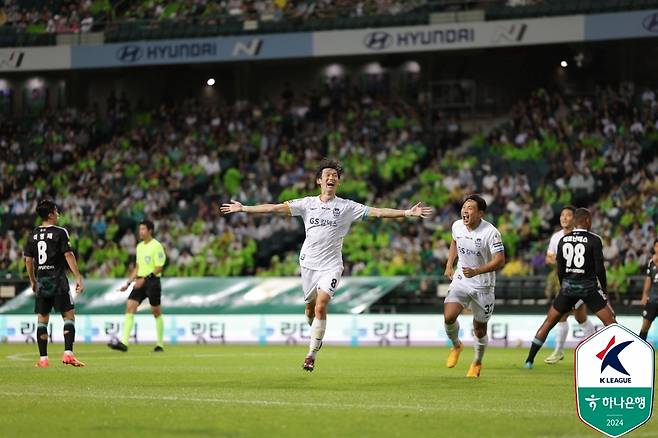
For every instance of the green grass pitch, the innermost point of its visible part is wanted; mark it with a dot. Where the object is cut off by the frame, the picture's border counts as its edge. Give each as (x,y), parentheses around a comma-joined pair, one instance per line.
(261,391)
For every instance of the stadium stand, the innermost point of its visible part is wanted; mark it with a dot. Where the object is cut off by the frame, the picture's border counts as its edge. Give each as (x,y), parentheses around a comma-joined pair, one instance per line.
(36,22)
(172,164)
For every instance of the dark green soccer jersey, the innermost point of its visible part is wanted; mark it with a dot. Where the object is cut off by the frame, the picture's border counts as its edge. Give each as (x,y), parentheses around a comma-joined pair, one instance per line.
(580,263)
(652,273)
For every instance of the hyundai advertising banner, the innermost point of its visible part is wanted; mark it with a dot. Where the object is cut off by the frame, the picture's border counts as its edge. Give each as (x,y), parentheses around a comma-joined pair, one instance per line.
(190,51)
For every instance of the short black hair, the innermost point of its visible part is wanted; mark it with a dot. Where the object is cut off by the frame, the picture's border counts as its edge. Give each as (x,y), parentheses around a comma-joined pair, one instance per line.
(581,215)
(479,200)
(329,163)
(148,224)
(45,207)
(571,208)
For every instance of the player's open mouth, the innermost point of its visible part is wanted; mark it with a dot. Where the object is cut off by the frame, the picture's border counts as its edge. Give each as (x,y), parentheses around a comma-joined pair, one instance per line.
(465,217)
(330,184)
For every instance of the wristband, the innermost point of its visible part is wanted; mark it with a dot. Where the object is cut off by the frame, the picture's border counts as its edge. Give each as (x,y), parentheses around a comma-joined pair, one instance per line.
(407,213)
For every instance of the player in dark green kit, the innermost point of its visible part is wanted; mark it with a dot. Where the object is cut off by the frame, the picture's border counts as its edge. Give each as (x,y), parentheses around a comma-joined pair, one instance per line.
(582,277)
(48,251)
(650,293)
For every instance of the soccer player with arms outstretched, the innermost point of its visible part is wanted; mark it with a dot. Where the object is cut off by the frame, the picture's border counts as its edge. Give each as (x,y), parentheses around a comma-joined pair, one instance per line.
(580,309)
(582,277)
(327,219)
(48,250)
(650,293)
(478,247)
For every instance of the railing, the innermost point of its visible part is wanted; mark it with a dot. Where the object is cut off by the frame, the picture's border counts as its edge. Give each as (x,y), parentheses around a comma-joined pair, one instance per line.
(226,24)
(513,295)
(426,294)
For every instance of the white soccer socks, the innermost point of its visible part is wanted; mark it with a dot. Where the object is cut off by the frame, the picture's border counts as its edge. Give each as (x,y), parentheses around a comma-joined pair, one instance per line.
(561,333)
(588,328)
(317,333)
(479,346)
(452,330)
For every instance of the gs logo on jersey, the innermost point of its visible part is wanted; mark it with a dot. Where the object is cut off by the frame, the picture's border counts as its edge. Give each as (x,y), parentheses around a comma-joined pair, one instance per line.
(147,259)
(478,243)
(336,212)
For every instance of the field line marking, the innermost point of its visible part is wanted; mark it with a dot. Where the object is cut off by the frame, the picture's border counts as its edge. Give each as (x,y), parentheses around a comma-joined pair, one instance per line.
(285,403)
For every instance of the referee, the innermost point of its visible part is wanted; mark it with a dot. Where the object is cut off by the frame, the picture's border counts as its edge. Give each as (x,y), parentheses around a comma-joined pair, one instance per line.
(146,275)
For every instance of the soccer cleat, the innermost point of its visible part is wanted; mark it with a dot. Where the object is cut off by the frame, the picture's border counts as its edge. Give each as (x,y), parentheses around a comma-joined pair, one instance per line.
(69,359)
(554,358)
(41,363)
(309,363)
(474,370)
(120,346)
(158,349)
(453,357)
(528,365)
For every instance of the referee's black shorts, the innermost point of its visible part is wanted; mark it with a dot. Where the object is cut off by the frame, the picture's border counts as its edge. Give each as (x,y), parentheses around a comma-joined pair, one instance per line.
(53,293)
(151,290)
(594,298)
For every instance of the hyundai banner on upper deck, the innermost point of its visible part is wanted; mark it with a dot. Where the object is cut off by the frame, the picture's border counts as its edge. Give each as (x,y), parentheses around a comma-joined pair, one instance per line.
(453,36)
(193,50)
(637,24)
(35,58)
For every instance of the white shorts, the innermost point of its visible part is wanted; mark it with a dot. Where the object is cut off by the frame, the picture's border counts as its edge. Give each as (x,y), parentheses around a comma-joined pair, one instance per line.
(326,280)
(480,301)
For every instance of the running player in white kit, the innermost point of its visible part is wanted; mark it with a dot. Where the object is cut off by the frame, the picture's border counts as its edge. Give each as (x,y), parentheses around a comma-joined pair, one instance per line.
(580,309)
(327,219)
(480,252)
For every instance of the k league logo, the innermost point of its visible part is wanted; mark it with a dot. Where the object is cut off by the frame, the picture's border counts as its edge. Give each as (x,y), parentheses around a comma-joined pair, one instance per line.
(378,40)
(610,357)
(614,371)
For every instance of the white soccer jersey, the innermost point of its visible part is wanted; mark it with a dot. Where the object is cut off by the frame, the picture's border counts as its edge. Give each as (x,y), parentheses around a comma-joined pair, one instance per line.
(326,224)
(475,248)
(555,239)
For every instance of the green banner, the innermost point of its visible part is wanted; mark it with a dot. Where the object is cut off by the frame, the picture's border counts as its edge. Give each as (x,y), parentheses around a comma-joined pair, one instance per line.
(615,411)
(236,295)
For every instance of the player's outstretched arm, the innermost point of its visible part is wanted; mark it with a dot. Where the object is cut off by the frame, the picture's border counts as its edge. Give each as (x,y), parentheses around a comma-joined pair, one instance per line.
(237,207)
(73,266)
(416,211)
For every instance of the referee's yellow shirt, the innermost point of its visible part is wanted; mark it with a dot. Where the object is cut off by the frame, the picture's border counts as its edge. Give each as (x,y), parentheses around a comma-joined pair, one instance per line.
(149,256)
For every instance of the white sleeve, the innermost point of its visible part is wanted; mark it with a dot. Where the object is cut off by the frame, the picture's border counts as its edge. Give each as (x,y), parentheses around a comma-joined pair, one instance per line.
(495,242)
(356,211)
(552,245)
(297,206)
(452,230)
